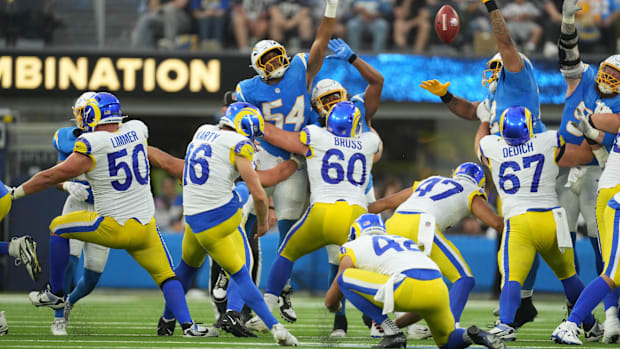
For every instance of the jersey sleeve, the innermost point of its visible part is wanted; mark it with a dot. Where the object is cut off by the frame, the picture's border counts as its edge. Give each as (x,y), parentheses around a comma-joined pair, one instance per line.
(473,194)
(522,79)
(63,141)
(239,96)
(141,127)
(86,145)
(243,148)
(306,138)
(347,251)
(300,59)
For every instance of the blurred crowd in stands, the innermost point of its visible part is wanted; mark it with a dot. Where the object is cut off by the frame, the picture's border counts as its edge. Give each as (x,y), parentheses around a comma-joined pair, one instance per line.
(376,26)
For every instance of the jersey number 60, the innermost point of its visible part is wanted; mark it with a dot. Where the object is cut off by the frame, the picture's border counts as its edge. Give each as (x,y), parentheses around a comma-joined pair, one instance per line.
(340,172)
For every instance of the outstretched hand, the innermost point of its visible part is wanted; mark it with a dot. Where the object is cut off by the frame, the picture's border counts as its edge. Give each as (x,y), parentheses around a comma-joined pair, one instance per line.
(435,87)
(570,8)
(341,49)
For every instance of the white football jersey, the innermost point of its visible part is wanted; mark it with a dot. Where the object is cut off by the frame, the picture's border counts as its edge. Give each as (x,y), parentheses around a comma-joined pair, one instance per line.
(120,178)
(386,254)
(338,167)
(210,172)
(447,199)
(611,174)
(524,175)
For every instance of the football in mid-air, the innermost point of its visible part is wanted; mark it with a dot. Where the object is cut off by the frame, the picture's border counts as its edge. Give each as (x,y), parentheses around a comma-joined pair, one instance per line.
(447,24)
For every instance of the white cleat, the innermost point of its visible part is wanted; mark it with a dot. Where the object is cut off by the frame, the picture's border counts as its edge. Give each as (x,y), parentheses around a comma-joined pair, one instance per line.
(376,331)
(59,327)
(196,330)
(338,333)
(611,334)
(594,333)
(45,298)
(566,333)
(417,331)
(283,336)
(257,325)
(24,250)
(4,326)
(503,331)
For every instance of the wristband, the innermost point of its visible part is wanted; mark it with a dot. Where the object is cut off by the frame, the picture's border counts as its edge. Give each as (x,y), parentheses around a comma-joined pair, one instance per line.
(491,5)
(447,97)
(352,58)
(330,11)
(18,192)
(568,19)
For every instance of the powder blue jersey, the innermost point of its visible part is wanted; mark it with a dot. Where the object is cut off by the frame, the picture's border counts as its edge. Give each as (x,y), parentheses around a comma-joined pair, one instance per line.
(64,141)
(518,88)
(285,104)
(586,94)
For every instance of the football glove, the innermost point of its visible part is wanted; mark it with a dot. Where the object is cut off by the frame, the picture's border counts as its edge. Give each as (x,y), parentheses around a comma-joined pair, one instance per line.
(483,111)
(435,87)
(77,190)
(569,9)
(584,124)
(15,192)
(602,108)
(341,49)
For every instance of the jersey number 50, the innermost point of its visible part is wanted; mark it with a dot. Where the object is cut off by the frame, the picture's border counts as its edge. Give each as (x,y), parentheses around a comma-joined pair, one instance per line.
(116,164)
(340,172)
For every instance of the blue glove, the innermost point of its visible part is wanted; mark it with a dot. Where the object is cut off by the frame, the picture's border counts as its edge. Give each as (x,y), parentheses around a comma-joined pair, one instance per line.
(241,189)
(341,49)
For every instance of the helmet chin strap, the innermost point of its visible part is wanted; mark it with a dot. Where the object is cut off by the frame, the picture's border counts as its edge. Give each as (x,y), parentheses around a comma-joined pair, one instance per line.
(493,86)
(605,89)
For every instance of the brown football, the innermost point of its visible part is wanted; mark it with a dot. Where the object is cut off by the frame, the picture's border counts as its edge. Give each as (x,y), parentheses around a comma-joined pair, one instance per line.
(447,24)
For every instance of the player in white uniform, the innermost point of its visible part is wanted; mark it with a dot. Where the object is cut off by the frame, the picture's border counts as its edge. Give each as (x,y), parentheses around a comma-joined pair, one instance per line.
(216,156)
(607,217)
(380,273)
(524,168)
(339,160)
(116,164)
(431,206)
(80,199)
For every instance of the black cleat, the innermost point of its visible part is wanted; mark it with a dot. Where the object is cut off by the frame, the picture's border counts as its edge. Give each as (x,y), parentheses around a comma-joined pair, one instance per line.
(231,323)
(398,340)
(484,338)
(286,308)
(166,327)
(367,321)
(526,313)
(340,327)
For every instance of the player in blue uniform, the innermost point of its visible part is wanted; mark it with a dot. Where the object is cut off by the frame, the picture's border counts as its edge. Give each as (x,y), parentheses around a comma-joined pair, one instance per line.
(325,94)
(510,80)
(80,198)
(281,90)
(588,92)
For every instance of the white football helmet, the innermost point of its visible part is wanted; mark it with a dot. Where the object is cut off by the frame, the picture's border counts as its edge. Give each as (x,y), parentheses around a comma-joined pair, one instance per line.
(323,89)
(266,70)
(606,82)
(78,106)
(494,66)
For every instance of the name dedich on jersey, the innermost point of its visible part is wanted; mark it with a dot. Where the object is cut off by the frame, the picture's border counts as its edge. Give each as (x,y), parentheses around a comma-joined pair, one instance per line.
(123,139)
(518,149)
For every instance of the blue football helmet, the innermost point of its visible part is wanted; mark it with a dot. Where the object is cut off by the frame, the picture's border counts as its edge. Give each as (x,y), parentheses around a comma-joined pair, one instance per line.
(244,118)
(472,172)
(367,224)
(102,108)
(515,125)
(344,120)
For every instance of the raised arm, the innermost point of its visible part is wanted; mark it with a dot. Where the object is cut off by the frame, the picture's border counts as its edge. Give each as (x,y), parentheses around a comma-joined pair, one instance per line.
(171,164)
(570,63)
(321,40)
(391,201)
(481,209)
(511,59)
(461,107)
(483,130)
(286,140)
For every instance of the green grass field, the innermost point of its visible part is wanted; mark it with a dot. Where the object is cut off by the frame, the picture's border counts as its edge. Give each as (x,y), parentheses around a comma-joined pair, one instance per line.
(128,319)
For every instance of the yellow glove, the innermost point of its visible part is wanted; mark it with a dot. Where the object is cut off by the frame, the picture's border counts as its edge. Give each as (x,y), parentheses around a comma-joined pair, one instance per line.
(435,87)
